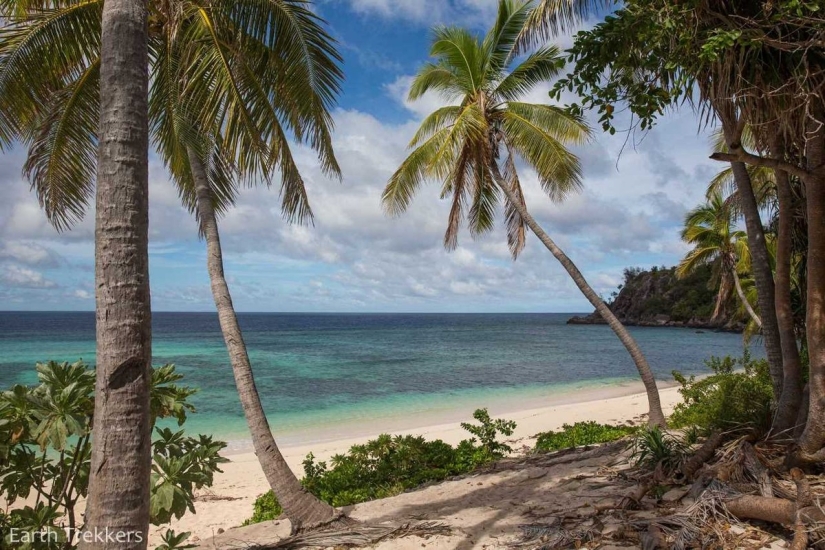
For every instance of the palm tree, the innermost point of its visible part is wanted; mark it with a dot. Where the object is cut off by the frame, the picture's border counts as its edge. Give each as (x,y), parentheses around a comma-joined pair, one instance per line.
(709,228)
(472,147)
(231,82)
(121,454)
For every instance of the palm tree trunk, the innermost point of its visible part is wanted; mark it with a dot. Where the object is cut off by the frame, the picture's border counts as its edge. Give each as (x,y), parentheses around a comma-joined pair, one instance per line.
(744,299)
(303,509)
(762,274)
(720,309)
(813,438)
(787,409)
(656,417)
(118,500)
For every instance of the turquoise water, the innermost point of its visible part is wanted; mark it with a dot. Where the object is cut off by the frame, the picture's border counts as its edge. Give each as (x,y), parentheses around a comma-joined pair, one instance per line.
(318,372)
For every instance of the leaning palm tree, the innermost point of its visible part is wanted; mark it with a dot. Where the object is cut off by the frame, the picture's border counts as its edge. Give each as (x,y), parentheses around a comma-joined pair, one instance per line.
(231,83)
(472,147)
(710,229)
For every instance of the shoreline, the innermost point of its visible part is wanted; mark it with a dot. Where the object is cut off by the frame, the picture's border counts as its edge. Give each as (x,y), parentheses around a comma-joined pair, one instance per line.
(228,503)
(404,421)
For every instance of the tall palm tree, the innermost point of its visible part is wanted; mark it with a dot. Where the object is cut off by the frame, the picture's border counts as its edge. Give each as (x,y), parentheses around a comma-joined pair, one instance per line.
(473,146)
(231,83)
(710,229)
(121,454)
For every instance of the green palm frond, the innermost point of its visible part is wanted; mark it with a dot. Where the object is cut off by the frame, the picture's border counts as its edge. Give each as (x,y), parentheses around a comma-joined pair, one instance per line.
(440,78)
(40,53)
(540,66)
(62,160)
(481,217)
(411,174)
(516,228)
(460,50)
(553,17)
(435,122)
(456,187)
(695,258)
(499,42)
(538,134)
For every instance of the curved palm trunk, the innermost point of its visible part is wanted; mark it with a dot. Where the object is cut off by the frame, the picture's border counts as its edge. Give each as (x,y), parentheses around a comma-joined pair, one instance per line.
(720,309)
(762,273)
(744,299)
(303,509)
(656,416)
(787,409)
(118,501)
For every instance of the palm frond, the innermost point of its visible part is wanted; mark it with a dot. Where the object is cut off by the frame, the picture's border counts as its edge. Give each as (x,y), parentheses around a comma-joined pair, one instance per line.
(553,17)
(411,174)
(538,134)
(516,228)
(41,52)
(499,42)
(540,66)
(435,122)
(459,49)
(62,159)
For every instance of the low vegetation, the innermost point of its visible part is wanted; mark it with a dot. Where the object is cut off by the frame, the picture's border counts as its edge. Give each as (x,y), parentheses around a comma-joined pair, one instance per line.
(738,394)
(581,433)
(390,465)
(45,452)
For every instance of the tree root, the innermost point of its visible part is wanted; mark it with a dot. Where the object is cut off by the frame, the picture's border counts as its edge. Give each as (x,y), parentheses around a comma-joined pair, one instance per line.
(653,538)
(358,535)
(705,453)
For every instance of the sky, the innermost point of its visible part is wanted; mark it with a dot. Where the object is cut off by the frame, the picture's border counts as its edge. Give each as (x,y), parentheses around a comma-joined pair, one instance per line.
(355,258)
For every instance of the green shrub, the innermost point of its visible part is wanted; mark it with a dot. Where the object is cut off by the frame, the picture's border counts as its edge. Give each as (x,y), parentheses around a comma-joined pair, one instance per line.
(726,399)
(487,432)
(652,446)
(266,508)
(390,465)
(45,450)
(581,433)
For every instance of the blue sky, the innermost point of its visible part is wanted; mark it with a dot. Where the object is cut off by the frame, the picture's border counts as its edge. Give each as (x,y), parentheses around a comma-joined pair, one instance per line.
(355,258)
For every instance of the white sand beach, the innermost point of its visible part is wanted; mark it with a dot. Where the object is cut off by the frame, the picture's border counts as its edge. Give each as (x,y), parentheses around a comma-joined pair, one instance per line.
(229,501)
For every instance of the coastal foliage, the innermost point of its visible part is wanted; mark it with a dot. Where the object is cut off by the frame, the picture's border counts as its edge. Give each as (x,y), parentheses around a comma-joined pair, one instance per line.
(45,451)
(737,394)
(581,433)
(390,465)
(654,447)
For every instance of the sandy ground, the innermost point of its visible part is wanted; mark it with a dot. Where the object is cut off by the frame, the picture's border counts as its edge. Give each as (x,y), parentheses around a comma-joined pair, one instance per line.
(480,516)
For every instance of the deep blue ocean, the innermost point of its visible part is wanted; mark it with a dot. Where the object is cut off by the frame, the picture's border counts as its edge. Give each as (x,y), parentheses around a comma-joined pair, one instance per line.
(319,369)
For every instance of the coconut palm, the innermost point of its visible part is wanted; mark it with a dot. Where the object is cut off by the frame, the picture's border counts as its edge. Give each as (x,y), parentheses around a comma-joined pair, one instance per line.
(231,83)
(710,229)
(473,146)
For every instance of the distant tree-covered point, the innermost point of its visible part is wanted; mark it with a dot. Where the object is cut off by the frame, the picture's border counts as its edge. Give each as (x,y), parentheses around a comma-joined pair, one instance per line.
(658,297)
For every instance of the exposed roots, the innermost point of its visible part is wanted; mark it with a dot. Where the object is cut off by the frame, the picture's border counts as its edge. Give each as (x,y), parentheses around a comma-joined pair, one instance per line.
(732,484)
(358,535)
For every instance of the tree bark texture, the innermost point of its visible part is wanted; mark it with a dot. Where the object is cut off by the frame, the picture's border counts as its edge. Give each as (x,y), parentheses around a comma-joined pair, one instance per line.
(117,510)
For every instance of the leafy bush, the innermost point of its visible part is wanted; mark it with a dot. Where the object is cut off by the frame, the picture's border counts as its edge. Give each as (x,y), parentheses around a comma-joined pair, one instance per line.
(266,508)
(45,450)
(488,431)
(581,433)
(390,465)
(727,398)
(652,446)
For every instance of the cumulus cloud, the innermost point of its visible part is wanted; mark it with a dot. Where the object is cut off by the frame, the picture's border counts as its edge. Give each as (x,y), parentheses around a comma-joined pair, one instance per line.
(22,277)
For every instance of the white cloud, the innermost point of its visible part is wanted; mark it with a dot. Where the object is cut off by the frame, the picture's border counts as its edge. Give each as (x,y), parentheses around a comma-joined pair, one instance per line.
(429,12)
(22,277)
